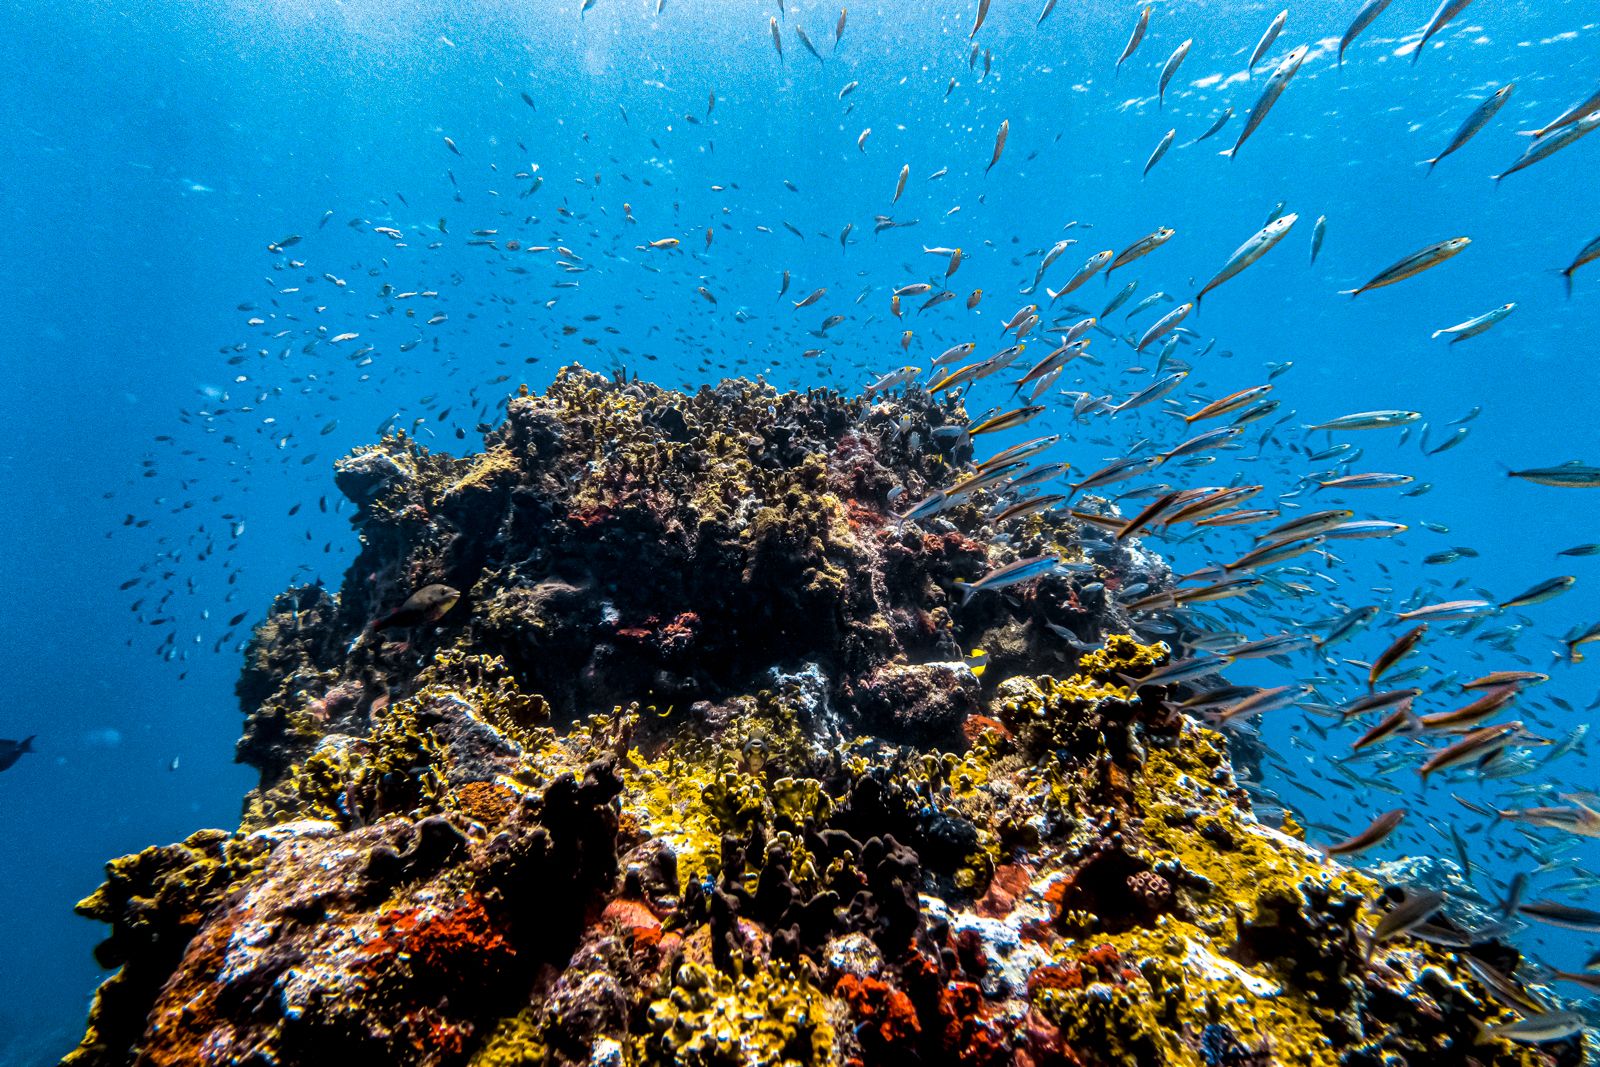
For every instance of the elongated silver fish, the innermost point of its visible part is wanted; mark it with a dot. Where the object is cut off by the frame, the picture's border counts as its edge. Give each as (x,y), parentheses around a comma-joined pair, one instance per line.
(1412,265)
(1538,1029)
(1259,244)
(1133,41)
(1545,147)
(1170,68)
(1221,121)
(1023,570)
(1364,18)
(1448,9)
(1474,326)
(1569,116)
(1276,84)
(1369,420)
(1476,121)
(1142,247)
(1573,475)
(1317,232)
(1161,150)
(1266,40)
(1164,325)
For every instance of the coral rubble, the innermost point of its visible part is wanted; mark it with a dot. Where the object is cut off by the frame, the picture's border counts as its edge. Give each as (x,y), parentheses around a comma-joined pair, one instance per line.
(686,763)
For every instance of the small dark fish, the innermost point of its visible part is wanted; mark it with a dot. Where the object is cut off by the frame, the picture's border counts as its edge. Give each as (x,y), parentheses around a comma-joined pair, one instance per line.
(11,751)
(427,605)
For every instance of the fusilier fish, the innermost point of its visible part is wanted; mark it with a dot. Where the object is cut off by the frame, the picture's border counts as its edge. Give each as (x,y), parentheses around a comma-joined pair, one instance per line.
(1170,68)
(1412,265)
(1573,475)
(999,144)
(1220,121)
(1569,116)
(1266,40)
(1133,41)
(1023,570)
(1545,147)
(1142,247)
(1277,82)
(1374,835)
(1364,18)
(1587,254)
(1165,325)
(1448,9)
(1474,326)
(1258,245)
(1476,121)
(1161,150)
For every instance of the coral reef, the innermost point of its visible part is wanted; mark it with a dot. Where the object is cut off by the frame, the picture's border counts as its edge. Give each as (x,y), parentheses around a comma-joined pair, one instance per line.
(687,764)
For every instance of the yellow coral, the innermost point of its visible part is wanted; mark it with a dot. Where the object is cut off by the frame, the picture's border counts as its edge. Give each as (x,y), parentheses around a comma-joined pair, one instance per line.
(515,1041)
(767,1018)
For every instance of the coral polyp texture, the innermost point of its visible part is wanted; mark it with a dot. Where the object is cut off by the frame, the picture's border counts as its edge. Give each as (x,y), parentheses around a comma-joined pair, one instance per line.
(688,763)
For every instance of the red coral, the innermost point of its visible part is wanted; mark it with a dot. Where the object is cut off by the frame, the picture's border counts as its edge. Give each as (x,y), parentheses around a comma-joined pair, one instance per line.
(884,1010)
(453,944)
(858,515)
(1055,976)
(970,1037)
(1010,882)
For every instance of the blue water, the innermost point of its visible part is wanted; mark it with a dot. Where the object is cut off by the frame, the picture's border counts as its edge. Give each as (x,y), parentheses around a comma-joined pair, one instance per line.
(153,151)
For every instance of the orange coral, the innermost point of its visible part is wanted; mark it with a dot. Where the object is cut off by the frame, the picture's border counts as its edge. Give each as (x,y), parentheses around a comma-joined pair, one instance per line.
(487,802)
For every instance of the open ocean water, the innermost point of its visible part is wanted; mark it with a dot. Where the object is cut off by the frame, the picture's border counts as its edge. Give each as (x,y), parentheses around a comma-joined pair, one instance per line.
(167,463)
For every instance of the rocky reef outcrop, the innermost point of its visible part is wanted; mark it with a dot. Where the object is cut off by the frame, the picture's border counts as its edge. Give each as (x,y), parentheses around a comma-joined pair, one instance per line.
(697,767)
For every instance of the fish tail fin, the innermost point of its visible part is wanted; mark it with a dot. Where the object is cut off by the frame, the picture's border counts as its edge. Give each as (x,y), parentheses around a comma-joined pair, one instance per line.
(1530,133)
(1416,53)
(1229,152)
(1435,335)
(966,592)
(1566,277)
(27,743)
(1351,293)
(1434,162)
(1498,178)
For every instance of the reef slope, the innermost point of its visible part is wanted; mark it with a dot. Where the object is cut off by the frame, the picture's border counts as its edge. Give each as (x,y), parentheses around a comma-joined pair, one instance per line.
(698,769)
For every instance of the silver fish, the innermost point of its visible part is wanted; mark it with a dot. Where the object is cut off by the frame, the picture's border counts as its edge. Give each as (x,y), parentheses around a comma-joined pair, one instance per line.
(1170,68)
(1259,244)
(1276,84)
(1474,326)
(1448,9)
(1364,18)
(1476,121)
(1266,40)
(1545,147)
(1133,41)
(1161,150)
